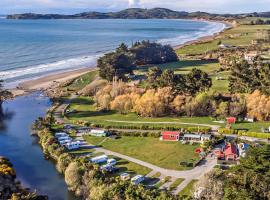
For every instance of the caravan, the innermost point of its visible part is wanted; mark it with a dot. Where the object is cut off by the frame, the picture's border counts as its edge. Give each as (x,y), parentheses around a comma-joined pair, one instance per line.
(63,138)
(63,142)
(58,135)
(99,159)
(137,179)
(73,145)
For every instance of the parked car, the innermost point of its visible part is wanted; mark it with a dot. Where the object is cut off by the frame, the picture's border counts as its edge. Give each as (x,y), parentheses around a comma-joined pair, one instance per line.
(137,179)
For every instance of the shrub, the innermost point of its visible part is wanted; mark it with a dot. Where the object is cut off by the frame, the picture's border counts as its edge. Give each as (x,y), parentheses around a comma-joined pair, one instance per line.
(254,134)
(226,131)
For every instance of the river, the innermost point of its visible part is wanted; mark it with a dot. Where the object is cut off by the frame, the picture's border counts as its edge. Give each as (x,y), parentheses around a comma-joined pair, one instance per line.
(23,150)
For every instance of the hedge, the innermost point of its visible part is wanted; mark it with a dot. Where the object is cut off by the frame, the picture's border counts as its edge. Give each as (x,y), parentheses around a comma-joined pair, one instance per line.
(254,134)
(227,131)
(139,134)
(157,127)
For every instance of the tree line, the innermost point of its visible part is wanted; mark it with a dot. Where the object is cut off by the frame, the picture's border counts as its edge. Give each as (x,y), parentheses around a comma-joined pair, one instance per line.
(123,60)
(246,78)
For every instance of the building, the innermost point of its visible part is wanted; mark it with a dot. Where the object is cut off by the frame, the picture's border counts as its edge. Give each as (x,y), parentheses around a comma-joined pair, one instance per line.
(170,136)
(99,133)
(230,152)
(192,137)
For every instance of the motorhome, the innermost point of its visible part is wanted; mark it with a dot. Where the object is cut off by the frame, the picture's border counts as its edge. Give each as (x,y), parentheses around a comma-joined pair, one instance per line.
(99,159)
(137,179)
(73,145)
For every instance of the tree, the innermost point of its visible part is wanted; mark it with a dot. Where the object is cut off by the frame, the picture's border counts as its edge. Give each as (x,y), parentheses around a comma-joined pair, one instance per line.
(4,94)
(153,75)
(166,79)
(197,81)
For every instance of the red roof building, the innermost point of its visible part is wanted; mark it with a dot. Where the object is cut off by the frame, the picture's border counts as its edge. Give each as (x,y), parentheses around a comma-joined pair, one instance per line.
(230,152)
(231,120)
(170,136)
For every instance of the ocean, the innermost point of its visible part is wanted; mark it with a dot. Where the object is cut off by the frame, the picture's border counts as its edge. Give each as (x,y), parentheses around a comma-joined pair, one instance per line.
(34,48)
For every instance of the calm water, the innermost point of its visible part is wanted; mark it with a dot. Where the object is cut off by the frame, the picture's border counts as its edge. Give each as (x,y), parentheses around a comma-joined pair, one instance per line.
(30,48)
(24,151)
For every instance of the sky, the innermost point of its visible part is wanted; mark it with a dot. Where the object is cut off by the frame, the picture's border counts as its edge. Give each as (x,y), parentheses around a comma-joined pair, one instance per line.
(75,6)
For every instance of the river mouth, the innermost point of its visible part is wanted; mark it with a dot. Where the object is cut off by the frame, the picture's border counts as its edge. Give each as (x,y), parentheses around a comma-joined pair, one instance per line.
(23,150)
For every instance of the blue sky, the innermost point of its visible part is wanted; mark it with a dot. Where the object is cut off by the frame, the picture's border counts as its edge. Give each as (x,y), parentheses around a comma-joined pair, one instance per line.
(74,6)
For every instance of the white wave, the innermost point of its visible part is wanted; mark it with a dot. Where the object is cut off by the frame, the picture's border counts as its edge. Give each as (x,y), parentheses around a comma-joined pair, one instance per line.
(69,64)
(210,29)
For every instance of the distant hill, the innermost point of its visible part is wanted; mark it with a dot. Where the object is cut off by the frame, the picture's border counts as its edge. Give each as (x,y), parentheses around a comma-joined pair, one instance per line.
(137,13)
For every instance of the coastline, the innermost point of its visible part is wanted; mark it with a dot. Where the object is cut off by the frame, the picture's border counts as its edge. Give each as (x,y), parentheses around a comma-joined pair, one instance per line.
(208,38)
(48,81)
(52,80)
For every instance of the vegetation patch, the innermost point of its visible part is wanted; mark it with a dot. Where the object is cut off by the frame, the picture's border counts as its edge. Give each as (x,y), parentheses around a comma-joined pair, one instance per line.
(187,192)
(175,184)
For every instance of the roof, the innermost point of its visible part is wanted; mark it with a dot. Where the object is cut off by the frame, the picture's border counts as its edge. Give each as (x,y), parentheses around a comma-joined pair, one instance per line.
(230,149)
(170,133)
(206,136)
(192,136)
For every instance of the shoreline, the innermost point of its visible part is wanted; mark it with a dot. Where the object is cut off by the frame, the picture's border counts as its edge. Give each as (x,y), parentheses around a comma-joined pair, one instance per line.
(47,81)
(52,80)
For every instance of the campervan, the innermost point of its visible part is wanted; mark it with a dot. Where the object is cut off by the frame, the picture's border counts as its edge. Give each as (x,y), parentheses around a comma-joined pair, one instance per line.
(99,159)
(137,179)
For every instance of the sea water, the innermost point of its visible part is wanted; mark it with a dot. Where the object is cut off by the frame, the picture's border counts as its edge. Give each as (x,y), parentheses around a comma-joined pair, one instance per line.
(33,48)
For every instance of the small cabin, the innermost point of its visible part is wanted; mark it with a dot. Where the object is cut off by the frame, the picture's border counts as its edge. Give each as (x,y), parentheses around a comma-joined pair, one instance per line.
(99,133)
(170,136)
(124,176)
(230,152)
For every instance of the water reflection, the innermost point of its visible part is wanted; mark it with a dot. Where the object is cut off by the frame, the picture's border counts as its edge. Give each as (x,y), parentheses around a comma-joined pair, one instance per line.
(23,150)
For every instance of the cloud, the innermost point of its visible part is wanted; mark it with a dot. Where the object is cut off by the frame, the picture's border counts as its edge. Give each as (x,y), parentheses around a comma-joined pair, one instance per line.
(134,3)
(219,6)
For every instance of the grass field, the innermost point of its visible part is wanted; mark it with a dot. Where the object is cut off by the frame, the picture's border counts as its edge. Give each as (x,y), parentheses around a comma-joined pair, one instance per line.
(186,193)
(238,36)
(163,154)
(175,184)
(130,167)
(83,80)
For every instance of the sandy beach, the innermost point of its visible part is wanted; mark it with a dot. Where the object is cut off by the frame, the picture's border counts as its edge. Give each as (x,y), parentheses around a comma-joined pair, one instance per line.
(49,81)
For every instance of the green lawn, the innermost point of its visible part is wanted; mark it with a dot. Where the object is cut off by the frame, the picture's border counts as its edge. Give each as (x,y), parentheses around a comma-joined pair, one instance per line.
(187,192)
(163,154)
(256,126)
(130,167)
(175,184)
(239,36)
(83,80)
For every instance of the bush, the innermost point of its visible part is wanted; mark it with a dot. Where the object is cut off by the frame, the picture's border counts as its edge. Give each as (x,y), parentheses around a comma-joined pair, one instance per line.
(226,131)
(139,134)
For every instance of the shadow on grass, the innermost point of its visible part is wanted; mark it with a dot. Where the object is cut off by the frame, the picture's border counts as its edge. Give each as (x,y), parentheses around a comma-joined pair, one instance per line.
(91,114)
